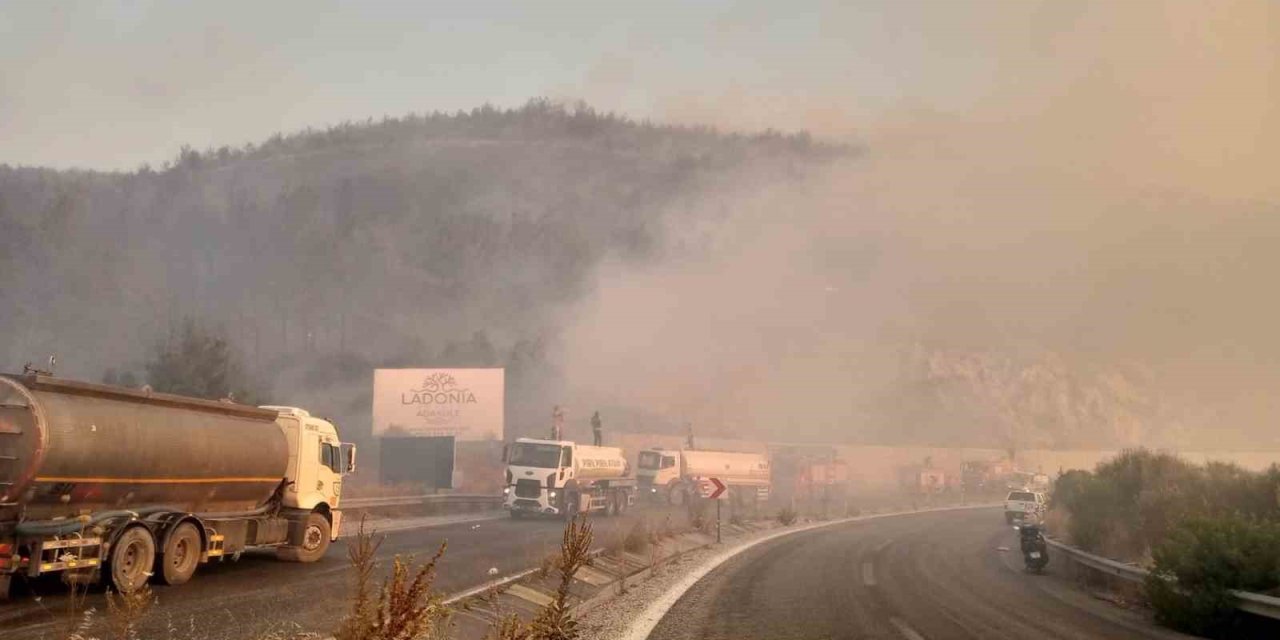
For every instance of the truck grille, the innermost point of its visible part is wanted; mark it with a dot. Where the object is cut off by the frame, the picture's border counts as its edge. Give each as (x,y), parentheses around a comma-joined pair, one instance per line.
(528,489)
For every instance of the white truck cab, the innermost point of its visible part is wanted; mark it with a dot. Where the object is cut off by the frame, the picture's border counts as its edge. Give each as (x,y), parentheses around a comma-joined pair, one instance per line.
(317,462)
(559,477)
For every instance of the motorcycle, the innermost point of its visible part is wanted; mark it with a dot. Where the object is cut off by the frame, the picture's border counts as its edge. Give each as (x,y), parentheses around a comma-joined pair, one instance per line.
(1035,551)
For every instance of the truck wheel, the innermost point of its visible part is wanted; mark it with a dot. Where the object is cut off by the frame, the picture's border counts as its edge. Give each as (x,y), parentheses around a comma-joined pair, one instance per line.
(676,496)
(181,554)
(132,557)
(315,541)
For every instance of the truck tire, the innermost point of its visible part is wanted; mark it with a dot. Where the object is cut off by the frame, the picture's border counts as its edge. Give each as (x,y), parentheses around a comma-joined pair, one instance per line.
(132,557)
(181,554)
(676,496)
(315,541)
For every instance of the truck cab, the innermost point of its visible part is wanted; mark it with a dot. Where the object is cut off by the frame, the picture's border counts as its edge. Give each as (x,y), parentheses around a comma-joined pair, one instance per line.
(558,477)
(317,462)
(657,471)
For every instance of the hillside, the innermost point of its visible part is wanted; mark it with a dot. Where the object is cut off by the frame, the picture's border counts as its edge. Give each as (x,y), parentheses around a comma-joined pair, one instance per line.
(448,239)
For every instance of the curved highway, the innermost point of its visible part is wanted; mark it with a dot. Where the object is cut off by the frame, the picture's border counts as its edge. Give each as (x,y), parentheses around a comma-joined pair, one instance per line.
(932,576)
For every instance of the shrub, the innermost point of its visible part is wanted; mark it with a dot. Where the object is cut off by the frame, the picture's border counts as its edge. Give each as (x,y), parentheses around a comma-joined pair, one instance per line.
(1202,561)
(637,537)
(787,516)
(407,607)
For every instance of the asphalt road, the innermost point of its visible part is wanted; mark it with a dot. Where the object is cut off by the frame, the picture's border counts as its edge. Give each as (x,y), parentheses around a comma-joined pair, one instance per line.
(923,576)
(248,598)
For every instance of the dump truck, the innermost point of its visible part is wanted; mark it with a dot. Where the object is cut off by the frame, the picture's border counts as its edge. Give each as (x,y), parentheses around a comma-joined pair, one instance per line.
(121,484)
(674,476)
(563,478)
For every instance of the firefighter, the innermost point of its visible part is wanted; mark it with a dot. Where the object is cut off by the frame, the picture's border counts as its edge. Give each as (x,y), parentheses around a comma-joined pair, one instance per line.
(557,423)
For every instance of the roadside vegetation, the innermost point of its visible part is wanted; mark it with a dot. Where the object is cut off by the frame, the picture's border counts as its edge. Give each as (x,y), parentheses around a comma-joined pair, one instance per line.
(404,606)
(1202,530)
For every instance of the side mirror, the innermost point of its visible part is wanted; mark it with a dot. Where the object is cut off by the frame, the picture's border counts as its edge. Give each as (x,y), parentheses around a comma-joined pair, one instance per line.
(349,457)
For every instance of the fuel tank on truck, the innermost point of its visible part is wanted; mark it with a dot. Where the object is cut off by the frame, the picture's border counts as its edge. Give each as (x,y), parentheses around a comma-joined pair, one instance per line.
(599,463)
(70,447)
(740,469)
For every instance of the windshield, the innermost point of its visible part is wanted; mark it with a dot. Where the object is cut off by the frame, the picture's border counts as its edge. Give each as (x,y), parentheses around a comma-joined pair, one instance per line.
(1023,496)
(528,454)
(649,460)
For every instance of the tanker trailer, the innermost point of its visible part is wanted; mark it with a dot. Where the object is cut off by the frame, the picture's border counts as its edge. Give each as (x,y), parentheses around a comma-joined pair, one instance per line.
(557,477)
(100,480)
(675,476)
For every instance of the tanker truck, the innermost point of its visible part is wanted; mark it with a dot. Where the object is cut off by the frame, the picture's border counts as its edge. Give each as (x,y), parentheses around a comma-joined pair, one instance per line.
(123,484)
(674,476)
(557,477)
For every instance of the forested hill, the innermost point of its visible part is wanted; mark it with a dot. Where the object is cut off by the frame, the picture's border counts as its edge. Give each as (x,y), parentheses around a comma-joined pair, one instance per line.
(429,239)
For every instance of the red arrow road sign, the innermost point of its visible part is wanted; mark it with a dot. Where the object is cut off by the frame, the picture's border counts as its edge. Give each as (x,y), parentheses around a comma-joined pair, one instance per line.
(717,489)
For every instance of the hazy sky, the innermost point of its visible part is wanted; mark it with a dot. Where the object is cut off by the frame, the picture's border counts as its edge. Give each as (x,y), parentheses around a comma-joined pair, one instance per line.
(116,84)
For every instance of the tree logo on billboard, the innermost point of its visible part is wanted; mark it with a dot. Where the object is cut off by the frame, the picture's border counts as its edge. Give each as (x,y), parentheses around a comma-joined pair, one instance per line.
(438,398)
(438,389)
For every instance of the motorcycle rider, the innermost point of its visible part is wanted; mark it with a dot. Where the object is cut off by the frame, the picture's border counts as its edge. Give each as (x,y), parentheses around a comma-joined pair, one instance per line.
(1035,551)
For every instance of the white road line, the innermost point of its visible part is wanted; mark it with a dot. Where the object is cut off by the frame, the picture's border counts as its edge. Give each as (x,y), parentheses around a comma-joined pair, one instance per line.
(906,630)
(644,624)
(868,574)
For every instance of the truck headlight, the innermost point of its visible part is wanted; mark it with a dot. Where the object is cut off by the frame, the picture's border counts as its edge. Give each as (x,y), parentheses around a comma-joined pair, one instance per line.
(506,491)
(551,494)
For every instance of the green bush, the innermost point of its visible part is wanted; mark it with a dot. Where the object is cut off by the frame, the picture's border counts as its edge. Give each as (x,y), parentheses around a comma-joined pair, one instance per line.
(1134,500)
(1202,561)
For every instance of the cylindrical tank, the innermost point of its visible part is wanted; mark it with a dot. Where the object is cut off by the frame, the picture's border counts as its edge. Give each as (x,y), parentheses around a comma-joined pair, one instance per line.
(68,448)
(739,469)
(599,463)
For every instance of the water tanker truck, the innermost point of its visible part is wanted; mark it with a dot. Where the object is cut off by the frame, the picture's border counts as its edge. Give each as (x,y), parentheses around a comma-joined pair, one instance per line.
(122,484)
(675,476)
(557,477)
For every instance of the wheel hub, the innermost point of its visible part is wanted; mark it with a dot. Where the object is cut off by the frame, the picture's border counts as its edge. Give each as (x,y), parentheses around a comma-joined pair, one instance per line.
(312,539)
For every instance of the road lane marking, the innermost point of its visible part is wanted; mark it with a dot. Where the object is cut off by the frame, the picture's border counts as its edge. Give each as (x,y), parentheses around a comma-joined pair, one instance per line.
(906,630)
(648,619)
(868,574)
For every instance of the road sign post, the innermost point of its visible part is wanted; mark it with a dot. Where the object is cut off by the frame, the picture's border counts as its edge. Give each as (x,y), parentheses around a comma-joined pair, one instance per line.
(715,489)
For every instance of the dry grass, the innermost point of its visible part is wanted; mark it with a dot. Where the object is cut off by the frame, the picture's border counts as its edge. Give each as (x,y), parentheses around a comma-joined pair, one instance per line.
(406,608)
(126,610)
(638,537)
(787,516)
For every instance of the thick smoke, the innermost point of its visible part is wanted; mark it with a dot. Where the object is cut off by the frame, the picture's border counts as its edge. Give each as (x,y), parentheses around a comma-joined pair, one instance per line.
(1101,213)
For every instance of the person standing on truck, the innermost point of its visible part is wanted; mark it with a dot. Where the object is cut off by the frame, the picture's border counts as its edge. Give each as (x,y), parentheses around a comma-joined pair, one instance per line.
(597,436)
(557,422)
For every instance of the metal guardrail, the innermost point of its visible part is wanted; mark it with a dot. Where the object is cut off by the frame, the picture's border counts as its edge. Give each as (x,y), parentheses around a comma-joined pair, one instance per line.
(1255,603)
(452,499)
(1123,570)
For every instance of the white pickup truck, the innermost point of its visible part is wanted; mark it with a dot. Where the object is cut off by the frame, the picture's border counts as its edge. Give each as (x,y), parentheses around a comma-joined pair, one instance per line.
(1024,506)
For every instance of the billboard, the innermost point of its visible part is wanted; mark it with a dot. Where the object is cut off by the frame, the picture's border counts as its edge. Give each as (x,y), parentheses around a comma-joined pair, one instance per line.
(466,404)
